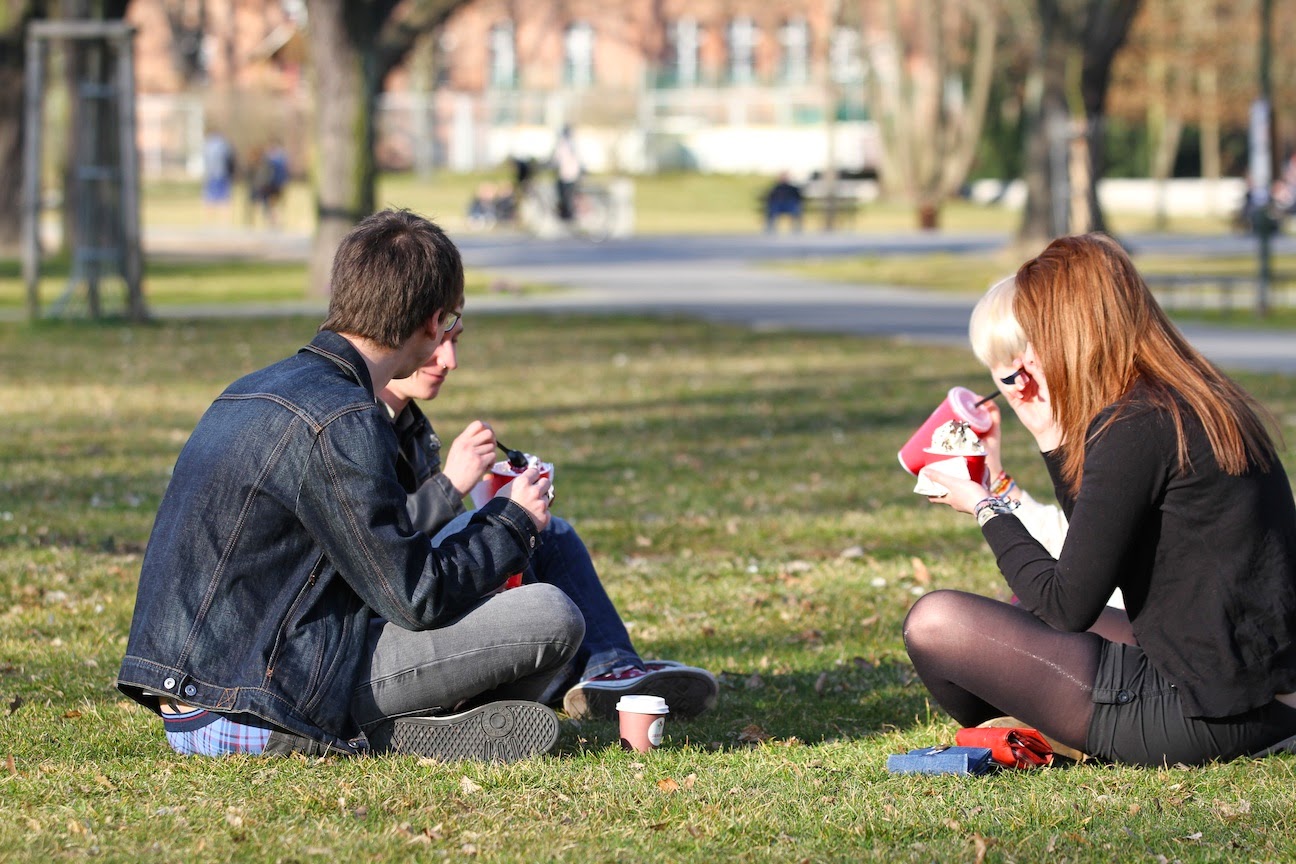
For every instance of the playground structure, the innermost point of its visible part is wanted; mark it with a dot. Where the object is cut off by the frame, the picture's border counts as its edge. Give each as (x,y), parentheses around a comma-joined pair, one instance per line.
(101,185)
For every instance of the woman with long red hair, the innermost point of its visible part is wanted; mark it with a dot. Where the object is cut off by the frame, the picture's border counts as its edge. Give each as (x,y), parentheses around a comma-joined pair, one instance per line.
(1174,493)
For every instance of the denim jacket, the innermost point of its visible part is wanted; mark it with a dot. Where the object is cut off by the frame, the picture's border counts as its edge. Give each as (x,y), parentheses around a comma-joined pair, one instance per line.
(283,530)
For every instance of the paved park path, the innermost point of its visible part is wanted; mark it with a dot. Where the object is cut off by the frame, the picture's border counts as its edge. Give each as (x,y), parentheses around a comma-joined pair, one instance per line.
(728,279)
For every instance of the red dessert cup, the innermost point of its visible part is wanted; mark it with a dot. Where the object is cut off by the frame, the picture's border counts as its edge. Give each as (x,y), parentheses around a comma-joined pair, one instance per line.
(959,404)
(500,474)
(975,462)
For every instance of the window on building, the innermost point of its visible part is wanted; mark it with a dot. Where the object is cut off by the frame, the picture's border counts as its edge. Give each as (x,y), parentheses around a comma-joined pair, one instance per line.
(844,58)
(794,40)
(742,51)
(503,56)
(443,59)
(682,45)
(578,55)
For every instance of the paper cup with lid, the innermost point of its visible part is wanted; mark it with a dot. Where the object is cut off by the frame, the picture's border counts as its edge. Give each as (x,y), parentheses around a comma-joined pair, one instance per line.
(643,720)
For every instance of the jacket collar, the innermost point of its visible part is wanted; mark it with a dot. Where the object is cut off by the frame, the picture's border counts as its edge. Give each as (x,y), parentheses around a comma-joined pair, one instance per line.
(335,347)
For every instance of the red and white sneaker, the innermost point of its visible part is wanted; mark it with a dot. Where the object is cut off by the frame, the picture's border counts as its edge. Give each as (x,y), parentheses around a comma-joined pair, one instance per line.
(688,691)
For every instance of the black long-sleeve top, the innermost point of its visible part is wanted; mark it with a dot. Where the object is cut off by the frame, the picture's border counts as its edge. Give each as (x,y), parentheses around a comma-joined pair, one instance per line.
(432,499)
(1206,561)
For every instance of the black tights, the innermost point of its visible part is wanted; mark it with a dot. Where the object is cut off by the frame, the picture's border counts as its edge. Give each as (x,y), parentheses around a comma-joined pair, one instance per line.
(981,658)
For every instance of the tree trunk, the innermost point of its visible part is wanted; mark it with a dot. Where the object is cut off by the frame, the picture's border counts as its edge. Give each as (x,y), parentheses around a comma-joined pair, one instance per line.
(929,135)
(345,94)
(1099,28)
(353,46)
(1046,109)
(1108,23)
(1208,88)
(12,58)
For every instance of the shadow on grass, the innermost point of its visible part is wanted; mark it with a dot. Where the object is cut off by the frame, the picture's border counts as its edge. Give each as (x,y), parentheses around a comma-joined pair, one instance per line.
(812,707)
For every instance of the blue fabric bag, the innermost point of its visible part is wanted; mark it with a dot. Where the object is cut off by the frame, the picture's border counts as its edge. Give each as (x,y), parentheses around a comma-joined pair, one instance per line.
(942,760)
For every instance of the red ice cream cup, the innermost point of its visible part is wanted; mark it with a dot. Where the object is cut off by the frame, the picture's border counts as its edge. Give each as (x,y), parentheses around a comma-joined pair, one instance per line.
(500,474)
(959,404)
(975,463)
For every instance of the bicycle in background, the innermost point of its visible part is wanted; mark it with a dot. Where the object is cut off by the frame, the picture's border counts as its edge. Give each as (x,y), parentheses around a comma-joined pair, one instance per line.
(591,212)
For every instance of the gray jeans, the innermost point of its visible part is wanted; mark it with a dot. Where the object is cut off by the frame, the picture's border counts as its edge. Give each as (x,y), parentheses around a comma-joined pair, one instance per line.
(509,646)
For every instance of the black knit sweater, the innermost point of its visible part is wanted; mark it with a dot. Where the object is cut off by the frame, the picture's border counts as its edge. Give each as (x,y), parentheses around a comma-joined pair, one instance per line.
(1206,561)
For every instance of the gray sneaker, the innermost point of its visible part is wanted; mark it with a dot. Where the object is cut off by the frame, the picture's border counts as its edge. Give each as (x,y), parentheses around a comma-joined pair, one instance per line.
(688,691)
(495,732)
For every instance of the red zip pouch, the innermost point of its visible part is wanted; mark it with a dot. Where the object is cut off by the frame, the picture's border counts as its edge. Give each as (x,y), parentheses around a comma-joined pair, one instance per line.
(1014,747)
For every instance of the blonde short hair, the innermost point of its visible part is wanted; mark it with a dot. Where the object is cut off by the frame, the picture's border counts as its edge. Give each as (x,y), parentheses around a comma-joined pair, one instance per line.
(993,329)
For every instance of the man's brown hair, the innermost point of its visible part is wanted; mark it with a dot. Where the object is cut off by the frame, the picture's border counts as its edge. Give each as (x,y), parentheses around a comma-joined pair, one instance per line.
(392,272)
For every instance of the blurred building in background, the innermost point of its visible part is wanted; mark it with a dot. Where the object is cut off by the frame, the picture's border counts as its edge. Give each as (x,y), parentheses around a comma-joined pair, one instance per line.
(711,85)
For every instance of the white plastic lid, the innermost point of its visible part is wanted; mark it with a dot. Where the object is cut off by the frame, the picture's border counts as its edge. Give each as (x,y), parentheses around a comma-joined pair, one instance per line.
(643,704)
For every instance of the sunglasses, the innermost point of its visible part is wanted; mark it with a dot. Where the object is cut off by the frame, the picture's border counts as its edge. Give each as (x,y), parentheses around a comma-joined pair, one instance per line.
(1010,380)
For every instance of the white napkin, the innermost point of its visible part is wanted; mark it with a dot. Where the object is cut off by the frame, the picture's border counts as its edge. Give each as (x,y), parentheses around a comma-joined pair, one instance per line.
(479,494)
(929,487)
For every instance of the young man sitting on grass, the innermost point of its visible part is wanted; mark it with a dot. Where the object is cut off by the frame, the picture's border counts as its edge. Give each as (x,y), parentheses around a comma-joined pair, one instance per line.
(606,666)
(286,602)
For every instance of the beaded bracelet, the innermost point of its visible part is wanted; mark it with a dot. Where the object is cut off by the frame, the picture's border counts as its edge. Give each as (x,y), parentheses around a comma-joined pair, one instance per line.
(992,506)
(1002,485)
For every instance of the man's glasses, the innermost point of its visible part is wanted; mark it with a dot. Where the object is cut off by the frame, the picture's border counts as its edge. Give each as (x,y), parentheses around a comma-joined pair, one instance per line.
(1010,380)
(452,319)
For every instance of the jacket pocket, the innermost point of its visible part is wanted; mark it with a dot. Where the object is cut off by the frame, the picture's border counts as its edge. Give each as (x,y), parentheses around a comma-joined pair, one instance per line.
(290,618)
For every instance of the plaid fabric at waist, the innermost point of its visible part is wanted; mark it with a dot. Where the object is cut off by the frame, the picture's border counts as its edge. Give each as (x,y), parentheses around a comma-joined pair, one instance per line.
(205,733)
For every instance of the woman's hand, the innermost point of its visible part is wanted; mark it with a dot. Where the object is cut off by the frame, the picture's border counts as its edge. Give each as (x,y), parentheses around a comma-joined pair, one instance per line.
(470,456)
(992,440)
(532,492)
(1027,395)
(963,493)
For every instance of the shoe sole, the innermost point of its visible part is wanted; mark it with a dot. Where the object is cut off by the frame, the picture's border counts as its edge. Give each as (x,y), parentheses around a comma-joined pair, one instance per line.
(687,694)
(495,732)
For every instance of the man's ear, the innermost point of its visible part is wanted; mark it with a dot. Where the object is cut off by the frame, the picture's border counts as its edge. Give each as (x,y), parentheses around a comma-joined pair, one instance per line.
(432,324)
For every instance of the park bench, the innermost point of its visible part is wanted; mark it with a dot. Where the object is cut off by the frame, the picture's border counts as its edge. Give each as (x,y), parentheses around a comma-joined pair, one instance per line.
(848,199)
(844,208)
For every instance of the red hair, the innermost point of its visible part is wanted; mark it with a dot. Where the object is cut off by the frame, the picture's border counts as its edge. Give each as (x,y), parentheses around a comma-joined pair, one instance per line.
(1098,330)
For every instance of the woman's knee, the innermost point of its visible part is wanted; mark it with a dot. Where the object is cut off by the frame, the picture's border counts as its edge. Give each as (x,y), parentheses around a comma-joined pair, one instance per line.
(931,618)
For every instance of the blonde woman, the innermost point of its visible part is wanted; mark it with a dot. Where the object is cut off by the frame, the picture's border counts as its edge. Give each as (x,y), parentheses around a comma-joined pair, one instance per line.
(997,339)
(1174,493)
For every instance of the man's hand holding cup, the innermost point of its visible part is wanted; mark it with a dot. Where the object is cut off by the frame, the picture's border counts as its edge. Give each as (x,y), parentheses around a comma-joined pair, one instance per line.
(533,492)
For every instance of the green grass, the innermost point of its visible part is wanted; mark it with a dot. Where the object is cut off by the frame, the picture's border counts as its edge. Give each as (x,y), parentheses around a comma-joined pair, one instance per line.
(665,203)
(670,203)
(170,282)
(973,274)
(740,495)
(684,203)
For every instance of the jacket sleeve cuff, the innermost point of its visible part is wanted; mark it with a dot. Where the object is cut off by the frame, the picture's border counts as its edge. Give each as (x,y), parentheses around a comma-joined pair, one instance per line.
(516,519)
